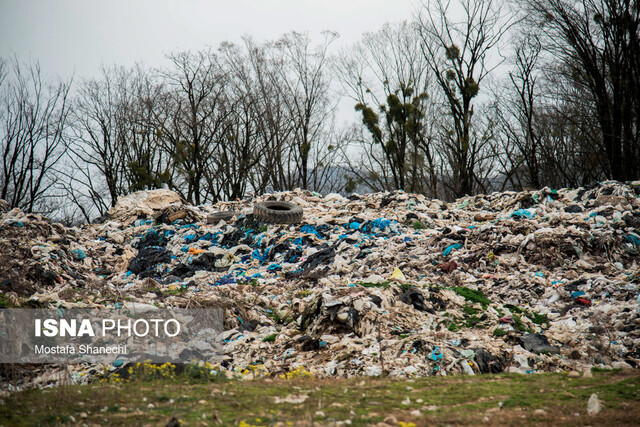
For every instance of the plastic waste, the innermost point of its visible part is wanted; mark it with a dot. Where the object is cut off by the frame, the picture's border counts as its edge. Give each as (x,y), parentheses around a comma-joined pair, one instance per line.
(397,274)
(414,297)
(593,405)
(466,368)
(450,248)
(523,213)
(634,239)
(436,355)
(79,254)
(448,267)
(537,343)
(517,294)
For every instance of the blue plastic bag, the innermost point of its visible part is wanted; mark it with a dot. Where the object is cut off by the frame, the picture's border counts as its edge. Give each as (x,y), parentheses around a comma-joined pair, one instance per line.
(448,250)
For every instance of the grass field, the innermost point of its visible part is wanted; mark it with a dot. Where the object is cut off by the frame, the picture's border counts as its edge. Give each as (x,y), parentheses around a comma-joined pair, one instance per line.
(505,399)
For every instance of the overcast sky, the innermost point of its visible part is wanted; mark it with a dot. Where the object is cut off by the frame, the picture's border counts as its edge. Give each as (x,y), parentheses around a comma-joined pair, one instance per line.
(77,36)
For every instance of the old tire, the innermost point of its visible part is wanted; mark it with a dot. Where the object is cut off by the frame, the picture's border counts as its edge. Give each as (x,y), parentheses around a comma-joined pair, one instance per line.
(277,212)
(216,217)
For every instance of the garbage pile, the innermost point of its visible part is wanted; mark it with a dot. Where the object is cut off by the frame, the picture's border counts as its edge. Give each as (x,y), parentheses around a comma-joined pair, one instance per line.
(378,284)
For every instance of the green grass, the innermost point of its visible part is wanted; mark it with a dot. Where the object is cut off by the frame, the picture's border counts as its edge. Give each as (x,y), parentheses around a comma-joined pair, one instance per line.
(417,225)
(513,309)
(504,399)
(451,322)
(472,321)
(167,292)
(537,318)
(601,370)
(275,317)
(519,325)
(4,302)
(384,284)
(472,295)
(405,286)
(454,327)
(270,338)
(470,318)
(434,288)
(467,309)
(498,332)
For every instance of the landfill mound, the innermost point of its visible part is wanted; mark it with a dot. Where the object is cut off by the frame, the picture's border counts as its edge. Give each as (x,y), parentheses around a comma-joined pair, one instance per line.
(378,284)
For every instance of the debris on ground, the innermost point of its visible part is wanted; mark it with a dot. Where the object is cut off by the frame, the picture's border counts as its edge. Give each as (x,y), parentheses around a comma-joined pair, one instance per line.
(594,406)
(536,281)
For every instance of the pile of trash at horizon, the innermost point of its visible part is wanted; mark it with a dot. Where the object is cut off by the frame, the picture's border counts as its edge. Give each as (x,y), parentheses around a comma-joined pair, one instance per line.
(378,284)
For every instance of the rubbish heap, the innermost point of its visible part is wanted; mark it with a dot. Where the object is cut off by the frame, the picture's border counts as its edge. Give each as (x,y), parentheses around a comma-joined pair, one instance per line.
(377,284)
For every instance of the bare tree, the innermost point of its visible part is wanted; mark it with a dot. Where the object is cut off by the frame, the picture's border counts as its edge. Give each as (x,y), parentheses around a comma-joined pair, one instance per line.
(327,175)
(255,78)
(193,119)
(116,145)
(516,111)
(147,165)
(33,116)
(568,132)
(598,41)
(388,78)
(283,112)
(308,102)
(242,148)
(546,135)
(98,170)
(238,154)
(4,71)
(460,56)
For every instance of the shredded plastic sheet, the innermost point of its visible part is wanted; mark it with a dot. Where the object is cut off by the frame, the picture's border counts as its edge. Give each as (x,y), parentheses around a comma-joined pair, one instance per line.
(497,281)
